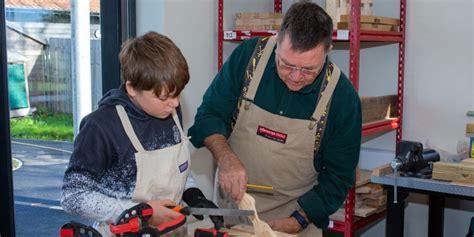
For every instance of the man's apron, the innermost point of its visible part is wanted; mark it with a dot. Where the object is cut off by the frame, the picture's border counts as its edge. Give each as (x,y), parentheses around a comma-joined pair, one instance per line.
(279,151)
(161,174)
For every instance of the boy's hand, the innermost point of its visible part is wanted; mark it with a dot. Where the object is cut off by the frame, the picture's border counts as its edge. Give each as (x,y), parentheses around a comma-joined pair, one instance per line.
(161,211)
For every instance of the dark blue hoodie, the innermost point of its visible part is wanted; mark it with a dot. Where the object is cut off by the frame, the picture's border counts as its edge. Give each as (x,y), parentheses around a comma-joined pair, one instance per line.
(100,179)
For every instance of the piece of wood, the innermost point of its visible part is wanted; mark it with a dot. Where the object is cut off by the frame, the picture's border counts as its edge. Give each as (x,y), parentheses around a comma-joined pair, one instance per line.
(459,172)
(470,130)
(260,228)
(248,230)
(468,161)
(382,170)
(376,108)
(258,15)
(368,27)
(362,177)
(374,19)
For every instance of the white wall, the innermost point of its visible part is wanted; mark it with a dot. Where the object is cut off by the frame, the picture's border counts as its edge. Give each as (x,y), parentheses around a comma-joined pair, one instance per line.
(439,70)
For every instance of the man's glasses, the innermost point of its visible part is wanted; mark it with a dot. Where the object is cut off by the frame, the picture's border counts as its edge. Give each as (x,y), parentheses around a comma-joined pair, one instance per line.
(287,69)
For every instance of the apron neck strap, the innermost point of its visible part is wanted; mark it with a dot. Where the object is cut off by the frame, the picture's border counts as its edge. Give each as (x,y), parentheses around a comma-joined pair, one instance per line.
(128,128)
(262,64)
(176,121)
(332,78)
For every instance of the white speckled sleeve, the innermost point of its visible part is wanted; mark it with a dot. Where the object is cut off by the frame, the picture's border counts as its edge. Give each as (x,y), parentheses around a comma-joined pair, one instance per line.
(79,198)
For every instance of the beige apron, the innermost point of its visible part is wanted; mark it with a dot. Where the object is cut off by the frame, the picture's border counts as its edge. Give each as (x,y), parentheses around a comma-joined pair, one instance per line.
(279,151)
(162,173)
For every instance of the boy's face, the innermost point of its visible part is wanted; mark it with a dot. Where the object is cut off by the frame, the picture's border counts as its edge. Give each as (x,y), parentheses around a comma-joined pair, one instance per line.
(160,106)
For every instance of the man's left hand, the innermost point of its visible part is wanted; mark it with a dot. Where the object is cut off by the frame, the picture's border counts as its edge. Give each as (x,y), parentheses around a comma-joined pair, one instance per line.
(286,225)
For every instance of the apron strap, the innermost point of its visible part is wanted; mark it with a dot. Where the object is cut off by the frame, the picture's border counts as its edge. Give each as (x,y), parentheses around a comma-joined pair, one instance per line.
(262,64)
(128,128)
(327,93)
(178,124)
(320,115)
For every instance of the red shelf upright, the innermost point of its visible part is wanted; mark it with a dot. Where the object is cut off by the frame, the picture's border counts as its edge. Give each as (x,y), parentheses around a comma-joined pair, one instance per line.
(354,36)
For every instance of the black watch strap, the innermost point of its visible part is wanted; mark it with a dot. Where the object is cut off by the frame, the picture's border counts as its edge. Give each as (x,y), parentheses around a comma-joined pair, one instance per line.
(300,218)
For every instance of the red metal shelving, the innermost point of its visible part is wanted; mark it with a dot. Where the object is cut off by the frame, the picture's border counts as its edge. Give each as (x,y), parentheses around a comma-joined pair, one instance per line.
(354,36)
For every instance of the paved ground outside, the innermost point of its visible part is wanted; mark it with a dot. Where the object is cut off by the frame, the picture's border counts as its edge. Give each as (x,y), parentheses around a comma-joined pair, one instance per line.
(37,186)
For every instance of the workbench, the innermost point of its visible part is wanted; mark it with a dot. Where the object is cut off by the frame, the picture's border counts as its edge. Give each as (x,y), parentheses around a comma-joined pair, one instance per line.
(436,191)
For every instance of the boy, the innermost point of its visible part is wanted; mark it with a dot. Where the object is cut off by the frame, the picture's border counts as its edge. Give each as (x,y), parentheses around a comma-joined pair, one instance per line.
(132,148)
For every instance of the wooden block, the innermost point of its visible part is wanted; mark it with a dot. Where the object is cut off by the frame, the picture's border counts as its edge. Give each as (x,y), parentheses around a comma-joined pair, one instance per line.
(363,189)
(469,129)
(340,11)
(376,108)
(258,15)
(331,6)
(467,162)
(338,215)
(453,172)
(362,177)
(373,19)
(365,211)
(368,27)
(258,22)
(382,170)
(247,230)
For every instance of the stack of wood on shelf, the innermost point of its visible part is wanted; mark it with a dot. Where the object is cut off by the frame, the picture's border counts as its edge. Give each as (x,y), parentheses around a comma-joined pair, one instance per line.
(337,8)
(457,173)
(370,198)
(258,21)
(377,108)
(373,23)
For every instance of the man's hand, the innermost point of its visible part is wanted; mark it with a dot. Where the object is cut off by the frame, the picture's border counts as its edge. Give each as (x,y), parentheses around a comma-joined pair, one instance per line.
(286,225)
(161,211)
(232,174)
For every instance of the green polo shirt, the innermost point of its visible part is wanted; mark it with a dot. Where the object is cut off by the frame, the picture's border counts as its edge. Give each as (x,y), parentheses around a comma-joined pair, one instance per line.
(339,152)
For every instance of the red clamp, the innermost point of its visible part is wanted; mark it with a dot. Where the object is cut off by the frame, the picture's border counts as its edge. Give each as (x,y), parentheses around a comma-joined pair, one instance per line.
(75,229)
(134,222)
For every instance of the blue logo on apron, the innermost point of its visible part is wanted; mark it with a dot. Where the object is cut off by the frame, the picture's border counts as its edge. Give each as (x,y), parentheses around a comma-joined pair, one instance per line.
(183,167)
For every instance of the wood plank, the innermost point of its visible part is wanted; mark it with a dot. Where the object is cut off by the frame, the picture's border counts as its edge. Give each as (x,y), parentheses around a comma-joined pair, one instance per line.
(378,107)
(247,230)
(459,172)
(382,170)
(258,15)
(374,19)
(368,27)
(362,177)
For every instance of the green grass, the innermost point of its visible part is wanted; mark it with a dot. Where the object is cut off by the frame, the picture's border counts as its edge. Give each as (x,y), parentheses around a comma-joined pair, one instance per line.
(43,125)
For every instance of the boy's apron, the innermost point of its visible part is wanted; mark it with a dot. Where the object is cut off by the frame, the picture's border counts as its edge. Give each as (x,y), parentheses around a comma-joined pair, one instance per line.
(279,151)
(161,174)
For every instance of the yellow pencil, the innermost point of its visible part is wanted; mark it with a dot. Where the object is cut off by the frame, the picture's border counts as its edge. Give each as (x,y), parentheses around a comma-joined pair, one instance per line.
(259,186)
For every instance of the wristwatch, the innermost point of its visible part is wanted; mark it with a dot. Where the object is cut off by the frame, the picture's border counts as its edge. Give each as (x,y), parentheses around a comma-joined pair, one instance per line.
(300,218)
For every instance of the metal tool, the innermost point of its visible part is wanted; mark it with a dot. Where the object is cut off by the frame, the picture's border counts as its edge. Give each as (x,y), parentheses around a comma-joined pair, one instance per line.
(412,161)
(213,211)
(76,229)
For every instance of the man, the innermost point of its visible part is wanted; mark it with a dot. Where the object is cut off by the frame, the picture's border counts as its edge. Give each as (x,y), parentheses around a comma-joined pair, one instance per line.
(284,117)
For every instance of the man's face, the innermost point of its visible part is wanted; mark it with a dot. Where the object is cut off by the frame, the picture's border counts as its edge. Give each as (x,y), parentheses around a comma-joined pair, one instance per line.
(298,69)
(159,106)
